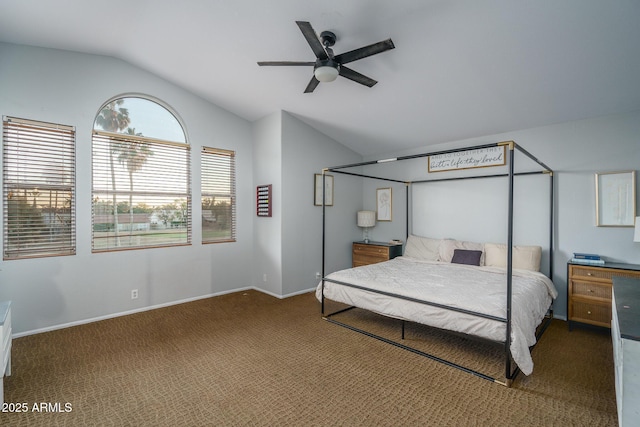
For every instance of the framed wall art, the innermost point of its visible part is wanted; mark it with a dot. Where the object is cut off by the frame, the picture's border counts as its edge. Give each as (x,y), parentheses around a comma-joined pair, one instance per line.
(616,199)
(328,190)
(263,200)
(383,204)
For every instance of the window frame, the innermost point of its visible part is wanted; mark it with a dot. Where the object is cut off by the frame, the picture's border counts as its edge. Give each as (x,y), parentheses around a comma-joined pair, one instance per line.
(110,150)
(41,157)
(211,161)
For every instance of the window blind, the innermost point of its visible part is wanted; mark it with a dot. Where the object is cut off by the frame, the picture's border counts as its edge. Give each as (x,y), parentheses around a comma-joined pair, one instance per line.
(141,192)
(218,180)
(38,189)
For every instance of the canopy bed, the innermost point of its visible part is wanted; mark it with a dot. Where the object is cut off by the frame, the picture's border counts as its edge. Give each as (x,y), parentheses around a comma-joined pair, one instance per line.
(489,290)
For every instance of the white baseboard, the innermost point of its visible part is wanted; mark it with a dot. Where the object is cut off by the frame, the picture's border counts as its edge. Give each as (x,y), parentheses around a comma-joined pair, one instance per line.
(125,313)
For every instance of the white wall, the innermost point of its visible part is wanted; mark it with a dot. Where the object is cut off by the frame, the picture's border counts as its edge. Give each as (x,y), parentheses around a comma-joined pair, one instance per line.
(69,88)
(575,151)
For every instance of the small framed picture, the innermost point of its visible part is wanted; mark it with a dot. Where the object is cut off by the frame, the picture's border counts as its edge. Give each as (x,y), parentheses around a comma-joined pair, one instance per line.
(384,204)
(328,190)
(616,199)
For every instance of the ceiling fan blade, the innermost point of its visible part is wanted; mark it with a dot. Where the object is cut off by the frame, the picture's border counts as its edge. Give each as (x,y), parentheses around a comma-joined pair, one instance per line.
(363,52)
(312,39)
(313,83)
(261,63)
(356,76)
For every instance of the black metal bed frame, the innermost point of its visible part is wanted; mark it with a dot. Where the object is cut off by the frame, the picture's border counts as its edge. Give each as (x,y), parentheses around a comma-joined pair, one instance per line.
(510,374)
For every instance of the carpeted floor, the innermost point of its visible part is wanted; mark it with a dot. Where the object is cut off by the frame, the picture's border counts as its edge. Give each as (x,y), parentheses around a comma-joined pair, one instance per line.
(249,359)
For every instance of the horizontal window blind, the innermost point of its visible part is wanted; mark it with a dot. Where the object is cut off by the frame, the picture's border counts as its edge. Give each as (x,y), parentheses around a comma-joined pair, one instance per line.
(141,192)
(218,180)
(38,189)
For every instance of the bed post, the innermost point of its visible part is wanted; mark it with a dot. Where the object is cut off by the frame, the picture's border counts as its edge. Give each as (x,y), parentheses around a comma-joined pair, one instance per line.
(551,222)
(507,349)
(324,170)
(406,224)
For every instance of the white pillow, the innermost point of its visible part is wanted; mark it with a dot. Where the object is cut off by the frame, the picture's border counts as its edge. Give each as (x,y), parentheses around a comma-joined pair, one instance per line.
(422,248)
(449,245)
(523,257)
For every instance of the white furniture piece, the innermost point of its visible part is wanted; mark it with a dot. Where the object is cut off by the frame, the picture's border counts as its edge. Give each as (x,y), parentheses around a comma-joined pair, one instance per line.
(5,344)
(625,333)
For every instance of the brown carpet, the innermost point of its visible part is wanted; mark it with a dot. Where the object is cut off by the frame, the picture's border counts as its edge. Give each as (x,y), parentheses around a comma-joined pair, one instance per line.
(249,359)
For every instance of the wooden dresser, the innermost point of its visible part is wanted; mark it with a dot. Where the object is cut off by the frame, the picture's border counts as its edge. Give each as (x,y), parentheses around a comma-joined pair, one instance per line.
(589,291)
(374,252)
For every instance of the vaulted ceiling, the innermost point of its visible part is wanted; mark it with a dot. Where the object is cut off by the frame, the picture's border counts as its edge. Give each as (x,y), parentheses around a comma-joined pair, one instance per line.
(460,69)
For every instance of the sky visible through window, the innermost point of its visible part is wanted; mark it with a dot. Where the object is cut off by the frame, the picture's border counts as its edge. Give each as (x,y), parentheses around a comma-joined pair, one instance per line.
(151,120)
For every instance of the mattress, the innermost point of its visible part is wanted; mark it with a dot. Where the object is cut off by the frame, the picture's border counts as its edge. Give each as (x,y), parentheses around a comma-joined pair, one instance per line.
(472,288)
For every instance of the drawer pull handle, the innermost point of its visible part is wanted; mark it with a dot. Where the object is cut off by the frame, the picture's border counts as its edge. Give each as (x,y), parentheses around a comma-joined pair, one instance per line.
(589,274)
(589,312)
(591,290)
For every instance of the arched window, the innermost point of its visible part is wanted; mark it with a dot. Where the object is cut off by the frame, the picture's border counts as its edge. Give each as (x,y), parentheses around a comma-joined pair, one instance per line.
(141,187)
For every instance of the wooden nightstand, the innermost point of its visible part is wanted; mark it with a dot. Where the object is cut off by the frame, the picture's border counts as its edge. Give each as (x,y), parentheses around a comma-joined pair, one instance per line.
(589,291)
(373,252)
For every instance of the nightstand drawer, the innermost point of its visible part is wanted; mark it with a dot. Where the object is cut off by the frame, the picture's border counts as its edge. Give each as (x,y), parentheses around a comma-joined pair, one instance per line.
(592,313)
(591,290)
(373,252)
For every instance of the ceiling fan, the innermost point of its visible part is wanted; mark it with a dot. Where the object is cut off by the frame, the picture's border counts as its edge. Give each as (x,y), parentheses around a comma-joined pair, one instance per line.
(328,66)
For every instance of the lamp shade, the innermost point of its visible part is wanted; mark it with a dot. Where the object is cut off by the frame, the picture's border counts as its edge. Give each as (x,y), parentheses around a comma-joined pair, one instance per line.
(366,218)
(326,74)
(636,235)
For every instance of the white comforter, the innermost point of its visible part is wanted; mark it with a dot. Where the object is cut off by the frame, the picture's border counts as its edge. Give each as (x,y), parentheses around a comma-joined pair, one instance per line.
(479,289)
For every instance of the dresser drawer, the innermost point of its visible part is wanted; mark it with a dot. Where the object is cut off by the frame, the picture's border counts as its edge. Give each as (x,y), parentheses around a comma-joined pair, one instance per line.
(591,273)
(591,312)
(601,274)
(591,289)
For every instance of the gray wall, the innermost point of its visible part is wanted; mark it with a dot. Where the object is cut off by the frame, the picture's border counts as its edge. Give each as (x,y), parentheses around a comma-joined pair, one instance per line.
(69,88)
(267,166)
(288,246)
(575,151)
(306,151)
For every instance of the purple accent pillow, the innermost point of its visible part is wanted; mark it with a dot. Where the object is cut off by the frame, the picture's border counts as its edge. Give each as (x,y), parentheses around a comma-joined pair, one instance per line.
(465,256)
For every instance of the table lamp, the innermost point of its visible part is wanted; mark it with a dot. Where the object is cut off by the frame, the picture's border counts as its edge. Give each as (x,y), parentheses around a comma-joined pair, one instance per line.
(366,220)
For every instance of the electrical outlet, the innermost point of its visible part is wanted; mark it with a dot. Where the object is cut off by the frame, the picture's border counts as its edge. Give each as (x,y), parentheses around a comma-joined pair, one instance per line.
(318,276)
(264,277)
(134,294)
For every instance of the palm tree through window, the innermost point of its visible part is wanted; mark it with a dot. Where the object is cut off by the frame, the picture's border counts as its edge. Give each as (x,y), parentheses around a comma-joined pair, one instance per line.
(141,188)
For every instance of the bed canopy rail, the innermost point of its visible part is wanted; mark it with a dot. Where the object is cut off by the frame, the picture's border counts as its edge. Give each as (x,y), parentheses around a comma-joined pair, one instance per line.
(510,373)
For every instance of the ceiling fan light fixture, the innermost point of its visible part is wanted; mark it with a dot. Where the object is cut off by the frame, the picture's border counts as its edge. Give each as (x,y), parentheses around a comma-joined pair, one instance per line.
(325,73)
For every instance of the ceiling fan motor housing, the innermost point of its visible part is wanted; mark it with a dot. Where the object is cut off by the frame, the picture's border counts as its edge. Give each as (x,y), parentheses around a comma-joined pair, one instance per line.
(327,63)
(328,38)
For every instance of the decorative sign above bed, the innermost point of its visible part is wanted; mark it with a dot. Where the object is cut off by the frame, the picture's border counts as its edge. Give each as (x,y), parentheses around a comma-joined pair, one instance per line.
(478,158)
